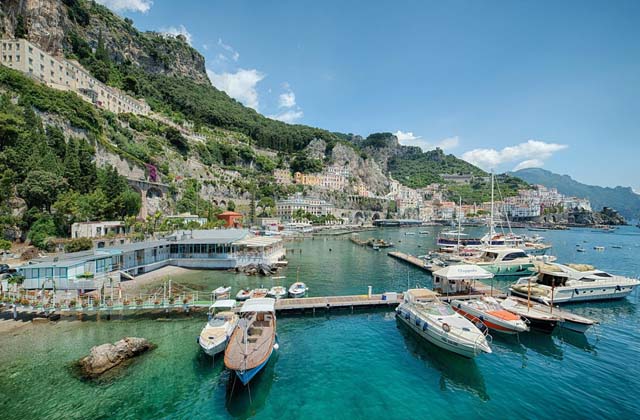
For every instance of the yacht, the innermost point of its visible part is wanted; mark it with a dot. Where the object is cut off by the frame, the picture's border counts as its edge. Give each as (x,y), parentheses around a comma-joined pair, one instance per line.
(253,340)
(216,332)
(505,262)
(437,323)
(297,290)
(558,283)
(487,310)
(537,319)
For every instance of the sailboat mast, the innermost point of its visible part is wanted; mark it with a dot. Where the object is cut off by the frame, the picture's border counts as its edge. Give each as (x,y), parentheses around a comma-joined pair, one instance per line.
(459,223)
(491,231)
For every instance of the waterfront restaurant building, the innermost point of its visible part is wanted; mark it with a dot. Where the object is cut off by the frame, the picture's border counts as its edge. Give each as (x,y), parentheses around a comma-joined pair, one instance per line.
(199,249)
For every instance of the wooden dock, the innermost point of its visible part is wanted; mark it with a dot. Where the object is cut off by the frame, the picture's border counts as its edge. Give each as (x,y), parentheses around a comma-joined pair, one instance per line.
(338,302)
(408,258)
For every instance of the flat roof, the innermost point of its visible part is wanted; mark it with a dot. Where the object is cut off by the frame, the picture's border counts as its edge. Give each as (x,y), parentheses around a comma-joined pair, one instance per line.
(258,241)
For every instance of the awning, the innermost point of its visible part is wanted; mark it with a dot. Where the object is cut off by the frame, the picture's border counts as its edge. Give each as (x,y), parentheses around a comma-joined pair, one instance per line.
(463,272)
(259,305)
(223,303)
(258,241)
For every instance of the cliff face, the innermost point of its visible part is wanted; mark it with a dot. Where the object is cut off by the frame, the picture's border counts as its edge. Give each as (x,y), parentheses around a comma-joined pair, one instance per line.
(51,23)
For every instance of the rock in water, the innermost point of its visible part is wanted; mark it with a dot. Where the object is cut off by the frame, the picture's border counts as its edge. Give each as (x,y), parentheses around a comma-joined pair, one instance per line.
(107,356)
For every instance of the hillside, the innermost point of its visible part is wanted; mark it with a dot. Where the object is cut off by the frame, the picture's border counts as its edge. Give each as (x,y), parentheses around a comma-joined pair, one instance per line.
(623,199)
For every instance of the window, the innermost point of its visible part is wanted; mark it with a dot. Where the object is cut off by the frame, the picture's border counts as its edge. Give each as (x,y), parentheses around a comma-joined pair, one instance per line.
(30,60)
(17,58)
(514,255)
(30,49)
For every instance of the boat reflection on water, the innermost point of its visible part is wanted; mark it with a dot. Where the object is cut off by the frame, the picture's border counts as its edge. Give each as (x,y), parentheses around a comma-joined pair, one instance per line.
(456,371)
(542,344)
(243,402)
(577,340)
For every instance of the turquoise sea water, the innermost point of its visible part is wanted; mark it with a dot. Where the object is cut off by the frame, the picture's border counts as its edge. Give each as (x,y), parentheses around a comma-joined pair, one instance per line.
(340,365)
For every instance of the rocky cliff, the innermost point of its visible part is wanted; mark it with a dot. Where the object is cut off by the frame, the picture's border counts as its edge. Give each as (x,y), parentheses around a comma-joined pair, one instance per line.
(52,24)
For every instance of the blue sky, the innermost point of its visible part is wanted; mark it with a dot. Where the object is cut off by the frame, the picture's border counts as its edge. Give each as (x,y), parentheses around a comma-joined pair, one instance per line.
(503,84)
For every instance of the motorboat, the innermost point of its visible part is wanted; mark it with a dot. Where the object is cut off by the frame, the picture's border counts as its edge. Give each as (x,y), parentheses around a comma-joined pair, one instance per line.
(488,311)
(243,294)
(214,336)
(542,321)
(259,293)
(505,262)
(253,340)
(221,292)
(568,320)
(438,323)
(558,283)
(598,248)
(297,290)
(409,233)
(277,292)
(423,232)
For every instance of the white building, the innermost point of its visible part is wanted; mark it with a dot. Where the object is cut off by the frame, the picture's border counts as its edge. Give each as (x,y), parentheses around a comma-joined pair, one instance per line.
(69,75)
(286,208)
(97,229)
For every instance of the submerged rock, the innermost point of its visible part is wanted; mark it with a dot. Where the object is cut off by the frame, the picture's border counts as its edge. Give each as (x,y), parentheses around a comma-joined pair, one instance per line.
(107,356)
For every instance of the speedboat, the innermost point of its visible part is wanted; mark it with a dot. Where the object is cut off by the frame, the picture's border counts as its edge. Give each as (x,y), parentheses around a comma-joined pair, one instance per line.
(277,292)
(221,292)
(539,320)
(437,323)
(488,311)
(243,294)
(259,293)
(216,332)
(253,340)
(297,290)
(559,283)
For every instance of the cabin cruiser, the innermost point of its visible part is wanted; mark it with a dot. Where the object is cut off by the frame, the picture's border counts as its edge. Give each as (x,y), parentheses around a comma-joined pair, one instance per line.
(253,340)
(558,283)
(216,332)
(505,262)
(437,323)
(297,290)
(537,319)
(487,310)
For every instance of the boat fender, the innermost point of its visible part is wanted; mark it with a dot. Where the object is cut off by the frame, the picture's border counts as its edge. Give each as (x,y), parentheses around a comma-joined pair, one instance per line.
(425,326)
(407,316)
(446,327)
(520,267)
(417,322)
(458,306)
(577,292)
(481,318)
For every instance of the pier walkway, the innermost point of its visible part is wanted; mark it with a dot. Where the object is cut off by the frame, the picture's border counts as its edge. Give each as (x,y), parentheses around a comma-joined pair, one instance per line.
(408,258)
(338,302)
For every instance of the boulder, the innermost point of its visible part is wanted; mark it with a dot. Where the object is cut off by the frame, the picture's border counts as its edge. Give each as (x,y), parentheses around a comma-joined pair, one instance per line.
(107,356)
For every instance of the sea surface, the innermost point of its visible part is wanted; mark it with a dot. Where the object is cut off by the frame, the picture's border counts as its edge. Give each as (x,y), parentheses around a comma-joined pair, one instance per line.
(342,365)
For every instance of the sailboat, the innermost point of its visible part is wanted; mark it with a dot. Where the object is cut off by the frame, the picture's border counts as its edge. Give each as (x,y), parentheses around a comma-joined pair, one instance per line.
(253,340)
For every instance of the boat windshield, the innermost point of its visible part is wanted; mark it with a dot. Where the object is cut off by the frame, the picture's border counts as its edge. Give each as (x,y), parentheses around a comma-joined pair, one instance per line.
(438,309)
(218,321)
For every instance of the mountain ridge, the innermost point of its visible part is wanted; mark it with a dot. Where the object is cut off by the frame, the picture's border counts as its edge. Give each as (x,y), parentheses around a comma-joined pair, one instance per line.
(623,199)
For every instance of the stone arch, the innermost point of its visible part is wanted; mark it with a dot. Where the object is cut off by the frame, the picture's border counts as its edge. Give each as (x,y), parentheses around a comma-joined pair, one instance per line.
(358,216)
(154,192)
(376,216)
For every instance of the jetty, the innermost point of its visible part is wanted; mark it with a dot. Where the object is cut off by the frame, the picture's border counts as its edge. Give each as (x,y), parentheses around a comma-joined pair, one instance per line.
(410,259)
(327,303)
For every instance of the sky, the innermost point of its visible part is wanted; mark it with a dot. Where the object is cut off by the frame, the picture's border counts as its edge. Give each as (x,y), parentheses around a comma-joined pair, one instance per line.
(502,84)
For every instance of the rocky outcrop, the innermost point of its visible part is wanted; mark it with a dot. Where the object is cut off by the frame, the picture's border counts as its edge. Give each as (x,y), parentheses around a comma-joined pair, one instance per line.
(50,23)
(368,171)
(107,356)
(609,216)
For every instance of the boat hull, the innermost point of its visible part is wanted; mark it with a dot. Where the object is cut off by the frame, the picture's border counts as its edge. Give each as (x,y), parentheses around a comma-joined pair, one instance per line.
(579,327)
(437,340)
(583,295)
(215,349)
(542,325)
(493,323)
(247,375)
(507,271)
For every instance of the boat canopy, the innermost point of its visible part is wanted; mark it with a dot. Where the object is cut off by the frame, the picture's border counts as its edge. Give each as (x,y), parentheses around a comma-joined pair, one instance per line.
(421,293)
(223,303)
(259,305)
(463,272)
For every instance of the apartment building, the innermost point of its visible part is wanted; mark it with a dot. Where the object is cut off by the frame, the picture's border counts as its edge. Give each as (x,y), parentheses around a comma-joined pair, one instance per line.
(69,75)
(286,208)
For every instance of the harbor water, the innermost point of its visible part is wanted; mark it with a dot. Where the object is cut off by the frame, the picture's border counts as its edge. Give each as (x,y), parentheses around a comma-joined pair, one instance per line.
(342,365)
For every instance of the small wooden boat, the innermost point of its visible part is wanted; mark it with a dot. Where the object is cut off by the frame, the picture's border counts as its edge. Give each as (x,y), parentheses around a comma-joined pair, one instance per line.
(259,293)
(253,340)
(581,250)
(221,292)
(243,294)
(214,336)
(297,290)
(538,320)
(568,320)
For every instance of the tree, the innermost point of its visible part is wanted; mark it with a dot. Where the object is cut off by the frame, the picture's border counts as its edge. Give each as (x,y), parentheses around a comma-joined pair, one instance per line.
(41,231)
(231,205)
(40,189)
(21,29)
(5,245)
(78,244)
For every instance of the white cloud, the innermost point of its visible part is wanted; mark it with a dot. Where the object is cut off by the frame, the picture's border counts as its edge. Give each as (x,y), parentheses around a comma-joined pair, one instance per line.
(287,99)
(529,154)
(407,138)
(175,31)
(240,85)
(529,163)
(234,55)
(289,116)
(141,6)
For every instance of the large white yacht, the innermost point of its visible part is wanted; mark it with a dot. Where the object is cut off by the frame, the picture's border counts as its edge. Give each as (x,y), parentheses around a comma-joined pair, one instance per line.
(557,283)
(506,262)
(437,323)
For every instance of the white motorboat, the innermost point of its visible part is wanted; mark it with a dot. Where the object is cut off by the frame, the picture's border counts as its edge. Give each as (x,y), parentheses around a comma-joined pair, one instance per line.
(277,292)
(297,290)
(221,292)
(438,323)
(506,262)
(243,294)
(216,332)
(488,311)
(423,232)
(558,283)
(259,293)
